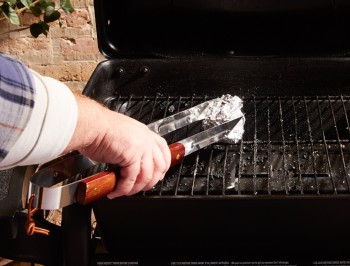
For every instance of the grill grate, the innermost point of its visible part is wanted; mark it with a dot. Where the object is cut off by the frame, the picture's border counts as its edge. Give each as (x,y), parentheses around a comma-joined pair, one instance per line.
(291,146)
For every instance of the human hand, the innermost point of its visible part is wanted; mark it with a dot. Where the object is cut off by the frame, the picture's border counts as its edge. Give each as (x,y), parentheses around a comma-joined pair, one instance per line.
(107,136)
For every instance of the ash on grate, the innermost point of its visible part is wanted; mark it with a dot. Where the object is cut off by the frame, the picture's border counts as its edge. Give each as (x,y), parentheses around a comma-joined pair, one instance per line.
(223,110)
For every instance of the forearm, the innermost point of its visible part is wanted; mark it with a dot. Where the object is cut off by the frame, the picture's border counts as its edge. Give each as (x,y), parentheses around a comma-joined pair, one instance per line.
(90,126)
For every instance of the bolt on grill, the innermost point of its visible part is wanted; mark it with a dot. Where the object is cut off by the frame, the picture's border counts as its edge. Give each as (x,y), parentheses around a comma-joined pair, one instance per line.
(291,146)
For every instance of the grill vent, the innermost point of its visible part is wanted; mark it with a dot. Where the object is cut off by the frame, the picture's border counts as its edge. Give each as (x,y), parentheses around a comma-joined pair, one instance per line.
(291,146)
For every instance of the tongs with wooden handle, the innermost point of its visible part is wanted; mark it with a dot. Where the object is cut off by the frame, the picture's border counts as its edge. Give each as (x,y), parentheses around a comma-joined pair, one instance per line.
(45,183)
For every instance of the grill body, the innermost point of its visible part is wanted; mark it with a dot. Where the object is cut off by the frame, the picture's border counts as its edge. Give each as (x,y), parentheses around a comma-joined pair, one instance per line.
(282,193)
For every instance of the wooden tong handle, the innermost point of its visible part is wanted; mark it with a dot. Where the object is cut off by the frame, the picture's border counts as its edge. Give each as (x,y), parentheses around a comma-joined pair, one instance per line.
(95,187)
(177,151)
(103,183)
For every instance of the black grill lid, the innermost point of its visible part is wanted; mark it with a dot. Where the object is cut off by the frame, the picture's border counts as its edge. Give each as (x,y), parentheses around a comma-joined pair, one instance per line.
(183,28)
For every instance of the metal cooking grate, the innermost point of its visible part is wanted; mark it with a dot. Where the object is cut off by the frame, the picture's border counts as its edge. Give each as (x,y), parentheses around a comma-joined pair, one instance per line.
(291,145)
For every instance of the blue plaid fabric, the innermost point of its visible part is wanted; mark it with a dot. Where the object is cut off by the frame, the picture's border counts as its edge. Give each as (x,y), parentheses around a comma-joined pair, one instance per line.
(16,101)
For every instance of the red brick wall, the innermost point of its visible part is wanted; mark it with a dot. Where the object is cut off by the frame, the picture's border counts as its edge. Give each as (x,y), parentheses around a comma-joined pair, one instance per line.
(69,53)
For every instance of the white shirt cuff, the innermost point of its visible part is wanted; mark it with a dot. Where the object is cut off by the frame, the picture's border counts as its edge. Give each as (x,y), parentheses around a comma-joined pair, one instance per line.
(50,127)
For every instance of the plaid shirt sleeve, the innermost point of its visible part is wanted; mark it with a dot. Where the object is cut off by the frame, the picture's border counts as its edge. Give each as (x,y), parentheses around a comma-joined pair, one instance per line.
(17,97)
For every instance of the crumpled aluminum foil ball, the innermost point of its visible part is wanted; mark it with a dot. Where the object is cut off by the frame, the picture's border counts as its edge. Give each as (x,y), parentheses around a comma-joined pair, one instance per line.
(223,110)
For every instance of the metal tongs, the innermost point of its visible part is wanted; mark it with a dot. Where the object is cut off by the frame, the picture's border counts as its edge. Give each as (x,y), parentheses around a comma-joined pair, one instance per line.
(52,186)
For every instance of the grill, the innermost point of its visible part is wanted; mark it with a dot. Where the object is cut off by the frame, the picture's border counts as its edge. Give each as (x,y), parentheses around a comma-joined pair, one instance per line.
(281,195)
(292,145)
(267,198)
